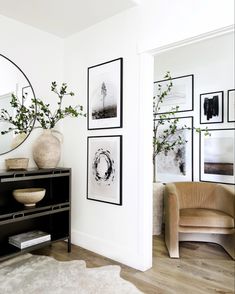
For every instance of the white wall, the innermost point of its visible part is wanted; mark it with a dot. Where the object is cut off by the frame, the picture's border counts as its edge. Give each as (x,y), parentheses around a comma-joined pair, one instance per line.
(212,63)
(121,232)
(167,21)
(107,229)
(39,55)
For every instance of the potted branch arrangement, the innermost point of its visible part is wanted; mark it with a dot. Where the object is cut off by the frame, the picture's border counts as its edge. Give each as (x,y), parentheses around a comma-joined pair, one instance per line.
(168,139)
(171,136)
(47,148)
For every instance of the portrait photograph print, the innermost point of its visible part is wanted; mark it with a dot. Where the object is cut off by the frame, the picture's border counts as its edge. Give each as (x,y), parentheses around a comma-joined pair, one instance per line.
(176,165)
(181,94)
(212,107)
(217,156)
(105,87)
(231,105)
(104,169)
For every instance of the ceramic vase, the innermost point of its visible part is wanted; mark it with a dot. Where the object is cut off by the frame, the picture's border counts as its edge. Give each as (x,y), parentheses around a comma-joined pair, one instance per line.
(47,149)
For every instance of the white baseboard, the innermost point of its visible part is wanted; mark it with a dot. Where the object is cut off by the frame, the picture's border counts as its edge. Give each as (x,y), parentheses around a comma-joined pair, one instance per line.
(107,249)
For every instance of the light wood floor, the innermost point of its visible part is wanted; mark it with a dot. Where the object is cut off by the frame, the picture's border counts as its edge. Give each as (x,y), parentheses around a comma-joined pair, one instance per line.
(202,268)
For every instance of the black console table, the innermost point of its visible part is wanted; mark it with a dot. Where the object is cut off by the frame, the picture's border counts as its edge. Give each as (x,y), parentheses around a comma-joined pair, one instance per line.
(51,214)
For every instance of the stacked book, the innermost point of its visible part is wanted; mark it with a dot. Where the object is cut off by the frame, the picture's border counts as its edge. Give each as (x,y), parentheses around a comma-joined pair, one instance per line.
(29,239)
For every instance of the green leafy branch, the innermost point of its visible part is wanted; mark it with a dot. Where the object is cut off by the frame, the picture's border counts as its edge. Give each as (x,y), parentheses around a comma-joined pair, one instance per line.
(23,119)
(167,140)
(171,136)
(48,119)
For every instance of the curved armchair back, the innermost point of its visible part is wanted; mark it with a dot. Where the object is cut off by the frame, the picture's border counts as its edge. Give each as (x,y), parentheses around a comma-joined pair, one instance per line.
(205,195)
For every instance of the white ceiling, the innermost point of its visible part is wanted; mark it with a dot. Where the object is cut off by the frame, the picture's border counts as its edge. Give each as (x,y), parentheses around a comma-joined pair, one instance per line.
(62,17)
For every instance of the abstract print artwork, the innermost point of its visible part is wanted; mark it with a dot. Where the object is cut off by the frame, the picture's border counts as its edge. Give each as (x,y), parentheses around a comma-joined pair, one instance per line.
(181,94)
(211,107)
(177,164)
(231,105)
(105,95)
(217,156)
(104,169)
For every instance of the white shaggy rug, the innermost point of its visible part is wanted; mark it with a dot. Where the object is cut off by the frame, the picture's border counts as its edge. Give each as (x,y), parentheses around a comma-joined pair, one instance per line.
(35,274)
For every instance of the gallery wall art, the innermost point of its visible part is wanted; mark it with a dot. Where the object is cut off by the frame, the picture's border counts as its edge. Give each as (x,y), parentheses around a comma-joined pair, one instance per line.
(181,94)
(105,90)
(231,105)
(217,156)
(104,169)
(212,107)
(177,165)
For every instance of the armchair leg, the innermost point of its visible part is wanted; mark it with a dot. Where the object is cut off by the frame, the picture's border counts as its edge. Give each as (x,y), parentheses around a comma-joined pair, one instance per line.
(174,252)
(172,244)
(228,243)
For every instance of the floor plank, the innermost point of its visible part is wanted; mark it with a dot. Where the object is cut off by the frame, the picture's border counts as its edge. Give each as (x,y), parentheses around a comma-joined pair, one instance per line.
(203,268)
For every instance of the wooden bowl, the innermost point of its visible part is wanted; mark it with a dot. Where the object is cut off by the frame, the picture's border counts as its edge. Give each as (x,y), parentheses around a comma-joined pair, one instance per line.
(17,163)
(29,197)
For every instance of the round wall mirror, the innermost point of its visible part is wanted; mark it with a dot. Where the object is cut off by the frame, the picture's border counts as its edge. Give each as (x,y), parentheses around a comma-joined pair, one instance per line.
(13,81)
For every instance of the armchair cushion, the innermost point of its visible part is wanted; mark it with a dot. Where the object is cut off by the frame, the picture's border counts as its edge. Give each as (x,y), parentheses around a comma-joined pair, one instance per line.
(201,217)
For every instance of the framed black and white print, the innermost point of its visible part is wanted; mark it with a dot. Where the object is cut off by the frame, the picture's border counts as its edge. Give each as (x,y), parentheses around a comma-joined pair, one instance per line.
(104,169)
(176,165)
(212,107)
(105,90)
(217,156)
(231,105)
(181,94)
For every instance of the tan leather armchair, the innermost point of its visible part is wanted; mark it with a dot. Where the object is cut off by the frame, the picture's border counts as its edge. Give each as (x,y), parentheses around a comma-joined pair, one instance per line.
(196,211)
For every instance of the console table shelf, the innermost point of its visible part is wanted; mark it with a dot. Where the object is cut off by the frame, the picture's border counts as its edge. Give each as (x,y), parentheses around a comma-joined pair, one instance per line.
(51,214)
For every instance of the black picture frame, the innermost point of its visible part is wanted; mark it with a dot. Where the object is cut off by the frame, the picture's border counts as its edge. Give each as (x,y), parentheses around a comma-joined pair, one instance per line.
(189,153)
(8,150)
(99,82)
(219,108)
(229,106)
(224,172)
(100,188)
(25,91)
(190,88)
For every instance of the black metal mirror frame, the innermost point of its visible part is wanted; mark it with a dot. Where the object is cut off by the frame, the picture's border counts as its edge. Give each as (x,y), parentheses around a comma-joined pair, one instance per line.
(1,55)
